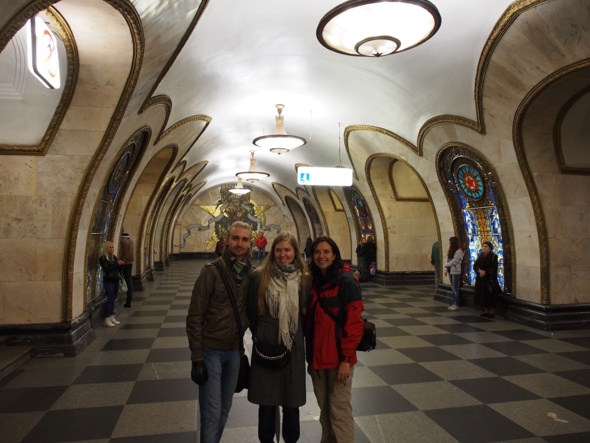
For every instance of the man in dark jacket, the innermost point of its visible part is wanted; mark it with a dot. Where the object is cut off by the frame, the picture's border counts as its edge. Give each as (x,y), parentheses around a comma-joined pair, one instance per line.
(126,254)
(213,334)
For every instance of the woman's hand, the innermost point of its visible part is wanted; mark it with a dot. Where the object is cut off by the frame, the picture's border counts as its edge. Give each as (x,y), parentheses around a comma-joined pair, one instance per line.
(482,273)
(343,372)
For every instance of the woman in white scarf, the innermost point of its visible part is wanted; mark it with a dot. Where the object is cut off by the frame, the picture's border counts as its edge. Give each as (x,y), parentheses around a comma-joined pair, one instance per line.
(276,304)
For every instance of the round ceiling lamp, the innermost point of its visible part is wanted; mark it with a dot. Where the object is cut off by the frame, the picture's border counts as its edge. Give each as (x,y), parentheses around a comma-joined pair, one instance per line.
(279,142)
(239,189)
(252,175)
(376,28)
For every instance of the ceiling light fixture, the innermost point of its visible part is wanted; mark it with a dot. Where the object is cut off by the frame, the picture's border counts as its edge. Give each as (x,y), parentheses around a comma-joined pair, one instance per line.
(252,175)
(375,28)
(239,189)
(279,142)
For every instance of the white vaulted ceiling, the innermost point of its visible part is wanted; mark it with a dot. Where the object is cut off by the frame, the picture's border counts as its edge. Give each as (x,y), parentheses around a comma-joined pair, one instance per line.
(244,57)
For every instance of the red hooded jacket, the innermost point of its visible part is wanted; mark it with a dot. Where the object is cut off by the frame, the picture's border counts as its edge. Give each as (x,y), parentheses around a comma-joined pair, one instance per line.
(327,344)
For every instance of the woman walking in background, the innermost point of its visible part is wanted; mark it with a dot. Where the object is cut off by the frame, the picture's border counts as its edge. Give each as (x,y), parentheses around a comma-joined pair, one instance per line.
(276,304)
(110,265)
(453,269)
(333,330)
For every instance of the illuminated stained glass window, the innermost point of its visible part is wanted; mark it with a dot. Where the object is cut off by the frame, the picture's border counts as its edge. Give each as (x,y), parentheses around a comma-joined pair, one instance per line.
(480,214)
(478,208)
(363,220)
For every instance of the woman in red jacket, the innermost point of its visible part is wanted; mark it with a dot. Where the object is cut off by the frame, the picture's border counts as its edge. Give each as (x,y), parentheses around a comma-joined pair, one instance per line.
(334,328)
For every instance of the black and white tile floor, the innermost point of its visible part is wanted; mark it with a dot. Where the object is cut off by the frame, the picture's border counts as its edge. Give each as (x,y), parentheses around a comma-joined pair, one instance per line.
(436,376)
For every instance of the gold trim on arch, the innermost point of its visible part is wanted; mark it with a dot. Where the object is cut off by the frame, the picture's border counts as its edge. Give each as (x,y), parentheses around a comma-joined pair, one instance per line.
(324,219)
(394,189)
(172,59)
(502,25)
(69,87)
(166,102)
(557,135)
(143,132)
(184,121)
(519,149)
(129,14)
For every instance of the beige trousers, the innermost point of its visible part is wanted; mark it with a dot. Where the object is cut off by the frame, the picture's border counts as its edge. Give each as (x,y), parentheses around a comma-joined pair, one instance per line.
(334,398)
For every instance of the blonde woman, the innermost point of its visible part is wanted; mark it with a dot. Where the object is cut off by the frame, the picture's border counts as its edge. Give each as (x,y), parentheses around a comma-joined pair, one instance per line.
(110,265)
(276,304)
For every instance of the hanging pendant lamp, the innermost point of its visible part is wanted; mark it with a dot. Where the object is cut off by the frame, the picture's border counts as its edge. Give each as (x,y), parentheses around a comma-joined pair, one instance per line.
(279,142)
(252,175)
(375,28)
(239,189)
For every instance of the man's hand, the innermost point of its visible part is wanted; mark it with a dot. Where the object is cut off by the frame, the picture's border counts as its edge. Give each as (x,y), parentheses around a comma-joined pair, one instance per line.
(199,372)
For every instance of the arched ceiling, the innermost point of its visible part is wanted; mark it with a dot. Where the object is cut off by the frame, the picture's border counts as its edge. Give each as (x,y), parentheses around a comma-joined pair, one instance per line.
(245,57)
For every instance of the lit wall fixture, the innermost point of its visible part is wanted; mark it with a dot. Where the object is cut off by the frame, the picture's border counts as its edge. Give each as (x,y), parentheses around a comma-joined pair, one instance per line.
(252,175)
(279,142)
(239,189)
(42,53)
(375,28)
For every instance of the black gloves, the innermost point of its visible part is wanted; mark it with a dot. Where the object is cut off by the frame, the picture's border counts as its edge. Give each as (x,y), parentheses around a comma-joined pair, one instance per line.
(199,372)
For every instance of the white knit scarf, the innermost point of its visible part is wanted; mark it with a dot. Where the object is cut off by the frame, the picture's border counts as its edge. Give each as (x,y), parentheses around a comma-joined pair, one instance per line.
(282,299)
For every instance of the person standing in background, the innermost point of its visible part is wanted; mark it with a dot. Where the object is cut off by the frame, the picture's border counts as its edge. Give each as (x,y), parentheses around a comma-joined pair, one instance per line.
(486,269)
(111,266)
(435,262)
(453,269)
(261,242)
(127,254)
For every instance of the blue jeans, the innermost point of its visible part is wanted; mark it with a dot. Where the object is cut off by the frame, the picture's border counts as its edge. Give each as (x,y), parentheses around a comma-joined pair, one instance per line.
(455,280)
(110,288)
(215,396)
(261,254)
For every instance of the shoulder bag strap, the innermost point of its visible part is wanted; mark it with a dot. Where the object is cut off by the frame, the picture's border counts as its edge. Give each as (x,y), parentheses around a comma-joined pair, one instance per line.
(230,294)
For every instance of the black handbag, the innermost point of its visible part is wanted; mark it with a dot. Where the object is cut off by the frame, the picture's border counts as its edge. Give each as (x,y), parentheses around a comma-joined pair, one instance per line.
(244,374)
(269,354)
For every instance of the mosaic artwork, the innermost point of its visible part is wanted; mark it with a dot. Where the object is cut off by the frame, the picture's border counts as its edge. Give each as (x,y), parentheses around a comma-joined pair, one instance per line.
(226,210)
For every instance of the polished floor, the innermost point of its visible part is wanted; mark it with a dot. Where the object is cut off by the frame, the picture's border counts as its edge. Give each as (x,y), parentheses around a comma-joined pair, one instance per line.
(436,376)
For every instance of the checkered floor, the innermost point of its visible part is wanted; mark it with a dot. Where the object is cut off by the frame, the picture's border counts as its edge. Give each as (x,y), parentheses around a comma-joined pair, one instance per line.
(436,376)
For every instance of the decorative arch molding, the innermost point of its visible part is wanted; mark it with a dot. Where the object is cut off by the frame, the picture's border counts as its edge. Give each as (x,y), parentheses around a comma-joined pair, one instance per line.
(332,211)
(350,129)
(152,167)
(201,9)
(281,191)
(71,78)
(518,132)
(558,133)
(299,218)
(166,103)
(502,25)
(192,172)
(184,121)
(107,209)
(392,159)
(132,19)
(447,156)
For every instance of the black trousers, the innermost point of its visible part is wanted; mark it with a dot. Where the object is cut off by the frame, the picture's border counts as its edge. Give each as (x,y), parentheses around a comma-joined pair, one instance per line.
(267,424)
(126,270)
